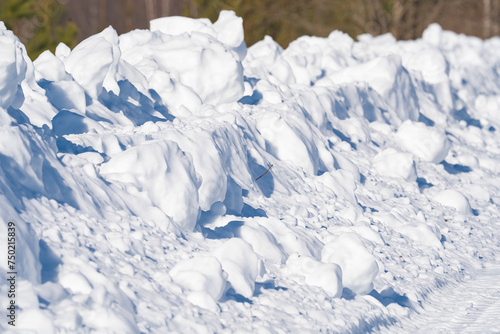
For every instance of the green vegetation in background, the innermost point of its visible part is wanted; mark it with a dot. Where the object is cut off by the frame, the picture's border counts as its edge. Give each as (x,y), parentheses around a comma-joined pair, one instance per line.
(42,24)
(286,20)
(38,24)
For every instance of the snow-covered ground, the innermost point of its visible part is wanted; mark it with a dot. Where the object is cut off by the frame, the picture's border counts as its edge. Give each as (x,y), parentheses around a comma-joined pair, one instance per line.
(134,170)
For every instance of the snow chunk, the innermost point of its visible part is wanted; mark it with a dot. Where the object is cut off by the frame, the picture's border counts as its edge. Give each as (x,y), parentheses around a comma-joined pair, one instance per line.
(12,68)
(327,276)
(292,142)
(178,25)
(433,34)
(395,164)
(94,62)
(422,233)
(203,276)
(198,61)
(207,160)
(75,283)
(390,79)
(49,67)
(228,29)
(359,267)
(62,51)
(428,143)
(293,239)
(454,199)
(263,242)
(240,262)
(162,170)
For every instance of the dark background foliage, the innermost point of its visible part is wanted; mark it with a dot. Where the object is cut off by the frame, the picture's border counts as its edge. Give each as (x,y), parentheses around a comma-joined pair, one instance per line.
(42,24)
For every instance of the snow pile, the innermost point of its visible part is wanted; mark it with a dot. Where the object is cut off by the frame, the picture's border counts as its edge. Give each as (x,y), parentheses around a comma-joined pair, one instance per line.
(172,180)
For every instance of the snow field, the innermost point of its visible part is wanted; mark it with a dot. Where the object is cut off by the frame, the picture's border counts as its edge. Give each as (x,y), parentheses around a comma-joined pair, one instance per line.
(130,163)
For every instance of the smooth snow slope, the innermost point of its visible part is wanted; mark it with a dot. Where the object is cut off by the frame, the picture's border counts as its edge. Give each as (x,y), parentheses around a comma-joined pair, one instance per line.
(130,163)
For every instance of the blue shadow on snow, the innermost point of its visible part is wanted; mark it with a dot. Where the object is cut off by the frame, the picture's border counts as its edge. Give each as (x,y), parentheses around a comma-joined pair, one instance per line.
(50,262)
(265,182)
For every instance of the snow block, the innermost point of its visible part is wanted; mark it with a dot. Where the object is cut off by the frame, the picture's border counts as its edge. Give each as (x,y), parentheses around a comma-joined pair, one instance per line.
(94,62)
(12,68)
(453,199)
(165,173)
(327,276)
(228,29)
(262,241)
(241,264)
(289,142)
(392,163)
(50,68)
(427,143)
(422,233)
(186,70)
(359,267)
(204,279)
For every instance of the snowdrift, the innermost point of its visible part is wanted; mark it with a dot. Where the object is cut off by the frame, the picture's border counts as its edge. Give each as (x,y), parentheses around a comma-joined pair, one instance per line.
(134,168)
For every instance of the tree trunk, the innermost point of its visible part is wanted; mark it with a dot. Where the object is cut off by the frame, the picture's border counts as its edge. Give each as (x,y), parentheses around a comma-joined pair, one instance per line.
(397,16)
(414,5)
(486,18)
(102,14)
(495,10)
(165,8)
(150,9)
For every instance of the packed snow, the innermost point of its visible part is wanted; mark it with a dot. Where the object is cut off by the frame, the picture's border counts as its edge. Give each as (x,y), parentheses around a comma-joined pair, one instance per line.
(174,180)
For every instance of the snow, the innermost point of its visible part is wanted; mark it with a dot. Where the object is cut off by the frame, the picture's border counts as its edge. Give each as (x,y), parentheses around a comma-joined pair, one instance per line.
(203,276)
(427,143)
(95,70)
(327,276)
(359,267)
(241,264)
(392,163)
(454,199)
(173,180)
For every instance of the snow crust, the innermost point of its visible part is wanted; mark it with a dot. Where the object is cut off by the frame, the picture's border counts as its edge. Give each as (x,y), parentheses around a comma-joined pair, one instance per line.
(172,180)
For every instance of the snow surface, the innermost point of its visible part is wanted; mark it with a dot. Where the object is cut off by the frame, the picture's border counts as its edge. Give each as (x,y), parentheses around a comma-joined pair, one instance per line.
(134,168)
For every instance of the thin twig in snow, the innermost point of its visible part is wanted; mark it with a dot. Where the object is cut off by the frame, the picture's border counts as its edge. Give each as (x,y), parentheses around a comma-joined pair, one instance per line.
(264,172)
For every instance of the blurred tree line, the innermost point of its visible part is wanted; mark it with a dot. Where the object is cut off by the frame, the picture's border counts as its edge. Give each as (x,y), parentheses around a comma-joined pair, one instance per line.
(405,19)
(42,24)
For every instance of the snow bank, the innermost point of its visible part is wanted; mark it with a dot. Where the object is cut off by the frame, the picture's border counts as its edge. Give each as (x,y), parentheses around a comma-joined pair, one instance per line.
(172,180)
